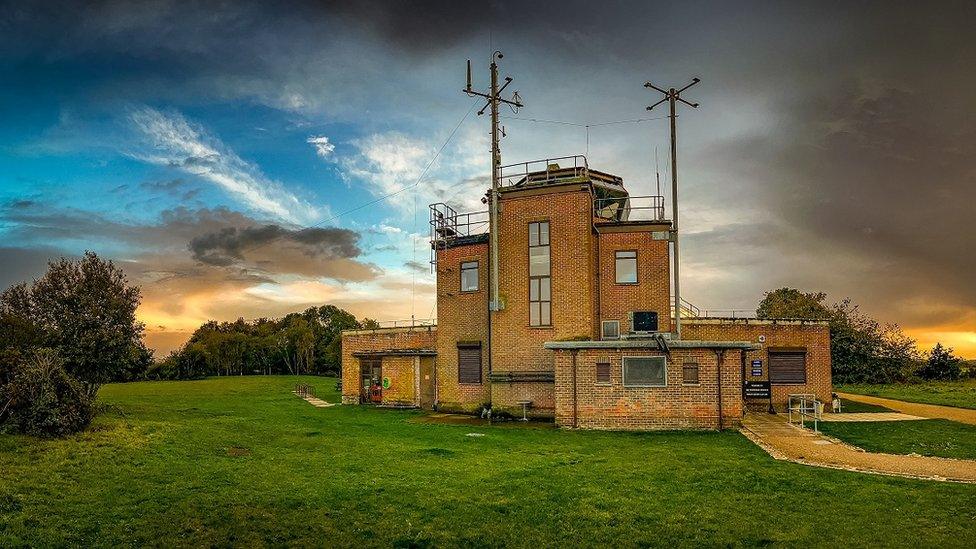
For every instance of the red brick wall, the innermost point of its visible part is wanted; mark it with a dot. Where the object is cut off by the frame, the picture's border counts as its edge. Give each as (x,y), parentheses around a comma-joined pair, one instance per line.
(516,345)
(383,339)
(813,336)
(653,289)
(461,317)
(676,406)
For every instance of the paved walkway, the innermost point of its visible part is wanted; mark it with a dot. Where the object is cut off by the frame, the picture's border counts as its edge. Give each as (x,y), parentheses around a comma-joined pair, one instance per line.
(869,416)
(314,401)
(783,441)
(961,415)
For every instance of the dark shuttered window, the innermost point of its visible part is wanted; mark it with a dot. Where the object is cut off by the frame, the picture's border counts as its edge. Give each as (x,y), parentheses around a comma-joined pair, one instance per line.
(787,367)
(603,372)
(469,363)
(689,373)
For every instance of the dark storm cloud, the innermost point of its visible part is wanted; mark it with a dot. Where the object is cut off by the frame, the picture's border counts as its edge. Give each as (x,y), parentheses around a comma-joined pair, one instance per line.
(214,238)
(228,245)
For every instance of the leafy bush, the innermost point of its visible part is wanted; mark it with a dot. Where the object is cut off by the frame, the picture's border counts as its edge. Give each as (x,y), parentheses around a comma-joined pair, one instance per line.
(42,399)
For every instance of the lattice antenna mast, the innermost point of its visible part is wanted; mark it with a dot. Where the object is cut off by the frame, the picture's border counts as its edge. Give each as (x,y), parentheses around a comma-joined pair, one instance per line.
(672,96)
(494,98)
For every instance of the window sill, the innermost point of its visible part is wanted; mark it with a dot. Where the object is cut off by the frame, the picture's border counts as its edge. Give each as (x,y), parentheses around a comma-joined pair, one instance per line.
(603,384)
(691,384)
(548,327)
(645,386)
(626,283)
(470,383)
(469,291)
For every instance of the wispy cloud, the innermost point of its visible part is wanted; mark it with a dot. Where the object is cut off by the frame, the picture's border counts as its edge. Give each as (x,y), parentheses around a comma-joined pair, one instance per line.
(389,162)
(323,147)
(173,141)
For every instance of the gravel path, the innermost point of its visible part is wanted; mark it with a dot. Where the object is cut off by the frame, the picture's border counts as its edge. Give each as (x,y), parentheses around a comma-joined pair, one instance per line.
(962,415)
(781,440)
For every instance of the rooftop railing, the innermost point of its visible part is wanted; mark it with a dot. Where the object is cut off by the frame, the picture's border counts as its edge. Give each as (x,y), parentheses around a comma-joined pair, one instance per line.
(630,208)
(547,169)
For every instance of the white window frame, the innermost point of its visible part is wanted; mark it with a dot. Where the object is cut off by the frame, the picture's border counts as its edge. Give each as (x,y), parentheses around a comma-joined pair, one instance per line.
(603,330)
(477,276)
(623,371)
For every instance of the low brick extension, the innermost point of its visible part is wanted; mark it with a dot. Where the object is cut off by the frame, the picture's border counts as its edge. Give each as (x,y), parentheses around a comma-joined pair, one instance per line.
(382,339)
(584,402)
(771,335)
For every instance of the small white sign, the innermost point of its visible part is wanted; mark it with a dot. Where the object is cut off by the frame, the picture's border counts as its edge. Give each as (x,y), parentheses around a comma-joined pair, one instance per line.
(762,339)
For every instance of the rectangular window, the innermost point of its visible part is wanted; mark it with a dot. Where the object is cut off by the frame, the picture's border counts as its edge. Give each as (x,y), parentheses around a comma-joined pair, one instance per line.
(689,373)
(540,280)
(469,362)
(643,321)
(626,266)
(603,372)
(611,329)
(787,367)
(644,371)
(469,276)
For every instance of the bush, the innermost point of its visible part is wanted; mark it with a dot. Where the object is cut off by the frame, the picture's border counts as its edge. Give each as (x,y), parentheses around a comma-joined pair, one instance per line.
(41,399)
(941,365)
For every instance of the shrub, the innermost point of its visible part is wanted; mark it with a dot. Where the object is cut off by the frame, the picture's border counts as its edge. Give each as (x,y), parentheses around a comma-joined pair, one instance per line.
(941,365)
(42,399)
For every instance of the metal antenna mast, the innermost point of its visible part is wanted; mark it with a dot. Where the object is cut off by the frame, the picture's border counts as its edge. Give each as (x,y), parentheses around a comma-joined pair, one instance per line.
(494,99)
(672,96)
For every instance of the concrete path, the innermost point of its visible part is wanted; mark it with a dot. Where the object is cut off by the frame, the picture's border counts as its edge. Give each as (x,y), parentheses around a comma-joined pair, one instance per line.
(962,415)
(317,402)
(775,435)
(869,416)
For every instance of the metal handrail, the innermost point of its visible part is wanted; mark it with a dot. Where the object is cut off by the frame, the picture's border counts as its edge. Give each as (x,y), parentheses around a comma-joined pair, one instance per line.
(511,174)
(625,208)
(687,309)
(408,323)
(805,405)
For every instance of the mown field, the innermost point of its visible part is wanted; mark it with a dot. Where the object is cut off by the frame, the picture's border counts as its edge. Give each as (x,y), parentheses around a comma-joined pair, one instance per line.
(241,461)
(961,394)
(930,437)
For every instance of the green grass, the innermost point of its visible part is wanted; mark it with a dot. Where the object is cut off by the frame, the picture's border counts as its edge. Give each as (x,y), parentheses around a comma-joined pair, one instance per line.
(852,406)
(241,461)
(930,437)
(961,394)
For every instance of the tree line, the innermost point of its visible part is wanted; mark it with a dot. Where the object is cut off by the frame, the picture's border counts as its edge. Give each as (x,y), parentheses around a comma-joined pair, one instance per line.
(308,342)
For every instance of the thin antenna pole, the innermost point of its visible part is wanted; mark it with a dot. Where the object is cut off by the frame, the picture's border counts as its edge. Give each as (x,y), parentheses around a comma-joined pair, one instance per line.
(494,100)
(672,96)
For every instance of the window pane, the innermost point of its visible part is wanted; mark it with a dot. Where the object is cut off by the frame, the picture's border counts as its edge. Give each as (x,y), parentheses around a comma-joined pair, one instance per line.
(534,314)
(644,371)
(546,319)
(534,289)
(690,373)
(603,372)
(544,233)
(469,276)
(539,261)
(533,234)
(611,329)
(626,270)
(545,293)
(626,254)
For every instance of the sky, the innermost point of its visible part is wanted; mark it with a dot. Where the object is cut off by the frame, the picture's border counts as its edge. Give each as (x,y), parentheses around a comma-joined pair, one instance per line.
(234,158)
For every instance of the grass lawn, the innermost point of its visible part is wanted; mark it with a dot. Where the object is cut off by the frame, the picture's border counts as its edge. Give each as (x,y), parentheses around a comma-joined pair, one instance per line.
(241,461)
(961,394)
(930,437)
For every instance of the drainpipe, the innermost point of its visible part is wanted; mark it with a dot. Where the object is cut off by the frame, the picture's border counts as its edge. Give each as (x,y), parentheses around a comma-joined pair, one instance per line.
(719,355)
(575,412)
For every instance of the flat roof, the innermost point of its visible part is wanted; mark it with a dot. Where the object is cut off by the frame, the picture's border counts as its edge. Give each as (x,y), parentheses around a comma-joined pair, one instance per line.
(395,352)
(651,344)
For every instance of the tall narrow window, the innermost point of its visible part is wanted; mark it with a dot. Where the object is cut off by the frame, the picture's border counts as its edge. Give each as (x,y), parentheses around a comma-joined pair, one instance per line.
(626,267)
(540,275)
(469,276)
(469,362)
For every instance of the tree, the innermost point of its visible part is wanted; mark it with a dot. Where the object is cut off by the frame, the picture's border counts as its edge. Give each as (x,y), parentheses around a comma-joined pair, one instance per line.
(85,310)
(42,399)
(792,303)
(941,365)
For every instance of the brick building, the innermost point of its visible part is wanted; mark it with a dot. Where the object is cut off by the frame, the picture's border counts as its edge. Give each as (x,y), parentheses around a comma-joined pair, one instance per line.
(583,329)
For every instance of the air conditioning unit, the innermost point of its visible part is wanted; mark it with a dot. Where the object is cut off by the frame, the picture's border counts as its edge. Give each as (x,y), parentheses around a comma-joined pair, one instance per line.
(643,322)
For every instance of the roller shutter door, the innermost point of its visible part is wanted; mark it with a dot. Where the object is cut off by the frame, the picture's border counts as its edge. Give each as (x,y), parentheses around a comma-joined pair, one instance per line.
(788,367)
(469,364)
